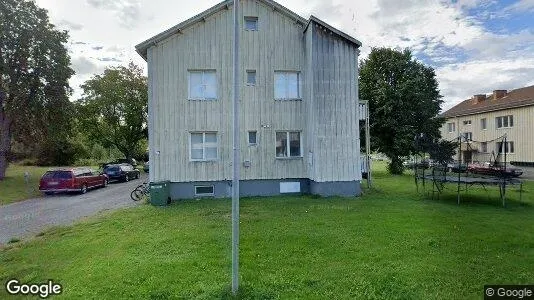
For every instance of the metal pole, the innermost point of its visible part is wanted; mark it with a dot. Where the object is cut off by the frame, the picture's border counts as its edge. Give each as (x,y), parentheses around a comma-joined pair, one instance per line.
(235,161)
(459,165)
(368,144)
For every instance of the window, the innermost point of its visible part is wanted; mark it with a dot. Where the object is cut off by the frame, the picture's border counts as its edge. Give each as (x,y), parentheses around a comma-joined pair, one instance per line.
(252,137)
(467,122)
(507,147)
(468,136)
(484,147)
(204,190)
(483,124)
(451,127)
(203,146)
(286,85)
(288,144)
(251,23)
(251,77)
(504,121)
(202,85)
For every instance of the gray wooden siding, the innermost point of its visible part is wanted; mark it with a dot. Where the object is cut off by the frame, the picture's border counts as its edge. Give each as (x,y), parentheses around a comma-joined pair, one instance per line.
(336,145)
(279,44)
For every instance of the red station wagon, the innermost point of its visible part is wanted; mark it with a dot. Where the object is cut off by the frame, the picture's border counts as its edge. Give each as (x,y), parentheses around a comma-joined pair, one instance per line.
(71,180)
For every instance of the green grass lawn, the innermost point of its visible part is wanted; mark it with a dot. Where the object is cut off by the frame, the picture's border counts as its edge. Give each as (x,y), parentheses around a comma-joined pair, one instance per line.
(392,243)
(13,187)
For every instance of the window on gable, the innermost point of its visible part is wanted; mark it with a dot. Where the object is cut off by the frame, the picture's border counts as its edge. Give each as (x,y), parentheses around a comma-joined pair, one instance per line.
(251,77)
(286,85)
(467,122)
(251,23)
(288,144)
(203,146)
(202,85)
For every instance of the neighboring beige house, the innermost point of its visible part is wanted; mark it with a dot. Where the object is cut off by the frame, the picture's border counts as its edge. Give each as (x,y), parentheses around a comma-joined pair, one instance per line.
(299,107)
(484,118)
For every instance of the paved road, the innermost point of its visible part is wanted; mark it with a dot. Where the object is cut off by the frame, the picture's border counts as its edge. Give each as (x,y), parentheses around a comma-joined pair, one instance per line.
(29,217)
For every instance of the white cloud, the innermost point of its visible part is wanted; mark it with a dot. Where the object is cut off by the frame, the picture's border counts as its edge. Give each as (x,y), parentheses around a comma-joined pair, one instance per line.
(469,58)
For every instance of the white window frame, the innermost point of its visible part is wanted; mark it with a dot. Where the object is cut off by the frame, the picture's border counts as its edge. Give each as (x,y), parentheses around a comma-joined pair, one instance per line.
(500,149)
(203,72)
(288,149)
(509,120)
(204,194)
(248,138)
(255,77)
(468,136)
(299,79)
(246,19)
(484,123)
(203,146)
(451,127)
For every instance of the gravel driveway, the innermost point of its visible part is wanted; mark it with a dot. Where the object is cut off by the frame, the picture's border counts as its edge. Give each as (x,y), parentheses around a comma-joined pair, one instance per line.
(29,217)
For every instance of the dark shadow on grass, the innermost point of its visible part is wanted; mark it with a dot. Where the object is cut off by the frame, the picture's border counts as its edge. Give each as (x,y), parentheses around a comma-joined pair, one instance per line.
(491,198)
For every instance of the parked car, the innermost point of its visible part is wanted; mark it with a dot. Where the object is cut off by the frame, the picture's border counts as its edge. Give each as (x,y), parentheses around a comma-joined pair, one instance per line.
(71,180)
(122,172)
(146,167)
(457,167)
(130,161)
(494,170)
(424,164)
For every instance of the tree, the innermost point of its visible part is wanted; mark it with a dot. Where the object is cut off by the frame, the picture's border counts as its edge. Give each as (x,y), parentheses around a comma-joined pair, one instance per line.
(113,109)
(34,74)
(404,102)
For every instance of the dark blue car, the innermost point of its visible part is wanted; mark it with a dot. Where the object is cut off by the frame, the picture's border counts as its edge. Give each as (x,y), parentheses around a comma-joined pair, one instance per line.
(121,172)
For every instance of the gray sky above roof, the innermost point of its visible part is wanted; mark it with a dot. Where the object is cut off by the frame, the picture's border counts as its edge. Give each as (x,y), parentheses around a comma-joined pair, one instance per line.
(475,46)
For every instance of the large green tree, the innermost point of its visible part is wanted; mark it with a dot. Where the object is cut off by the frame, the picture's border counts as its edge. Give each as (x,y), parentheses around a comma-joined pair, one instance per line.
(34,74)
(404,102)
(113,109)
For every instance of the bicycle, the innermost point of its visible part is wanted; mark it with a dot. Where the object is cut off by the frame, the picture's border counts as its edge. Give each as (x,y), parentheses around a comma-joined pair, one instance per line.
(141,192)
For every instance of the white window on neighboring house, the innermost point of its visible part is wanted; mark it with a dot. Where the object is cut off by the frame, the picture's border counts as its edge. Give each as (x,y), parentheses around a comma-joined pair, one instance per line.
(507,147)
(251,23)
(202,85)
(504,121)
(251,77)
(252,138)
(484,147)
(467,122)
(288,144)
(203,146)
(468,136)
(451,127)
(286,85)
(483,123)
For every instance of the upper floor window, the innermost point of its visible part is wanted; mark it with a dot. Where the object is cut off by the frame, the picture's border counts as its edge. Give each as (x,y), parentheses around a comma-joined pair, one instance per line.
(467,122)
(468,136)
(286,85)
(288,144)
(505,121)
(203,146)
(451,127)
(202,85)
(252,137)
(251,77)
(251,23)
(483,123)
(484,147)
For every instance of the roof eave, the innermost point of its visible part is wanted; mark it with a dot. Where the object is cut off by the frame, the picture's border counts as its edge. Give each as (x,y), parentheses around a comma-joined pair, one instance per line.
(486,111)
(333,29)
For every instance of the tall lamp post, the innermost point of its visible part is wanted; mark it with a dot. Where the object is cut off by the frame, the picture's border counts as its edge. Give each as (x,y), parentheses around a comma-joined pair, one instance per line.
(235,161)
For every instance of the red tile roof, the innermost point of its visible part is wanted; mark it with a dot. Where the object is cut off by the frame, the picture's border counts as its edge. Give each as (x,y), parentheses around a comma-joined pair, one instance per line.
(514,98)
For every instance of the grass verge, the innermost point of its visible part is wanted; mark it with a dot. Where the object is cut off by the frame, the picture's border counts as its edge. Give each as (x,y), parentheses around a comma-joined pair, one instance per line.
(391,243)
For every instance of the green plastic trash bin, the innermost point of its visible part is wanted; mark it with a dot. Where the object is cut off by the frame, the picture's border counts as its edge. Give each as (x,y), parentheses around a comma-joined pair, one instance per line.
(160,193)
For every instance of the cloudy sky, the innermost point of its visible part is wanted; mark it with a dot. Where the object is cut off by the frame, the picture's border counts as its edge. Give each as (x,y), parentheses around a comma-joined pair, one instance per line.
(475,46)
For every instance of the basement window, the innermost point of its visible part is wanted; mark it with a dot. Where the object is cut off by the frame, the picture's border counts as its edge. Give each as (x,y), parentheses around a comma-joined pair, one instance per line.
(251,23)
(204,190)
